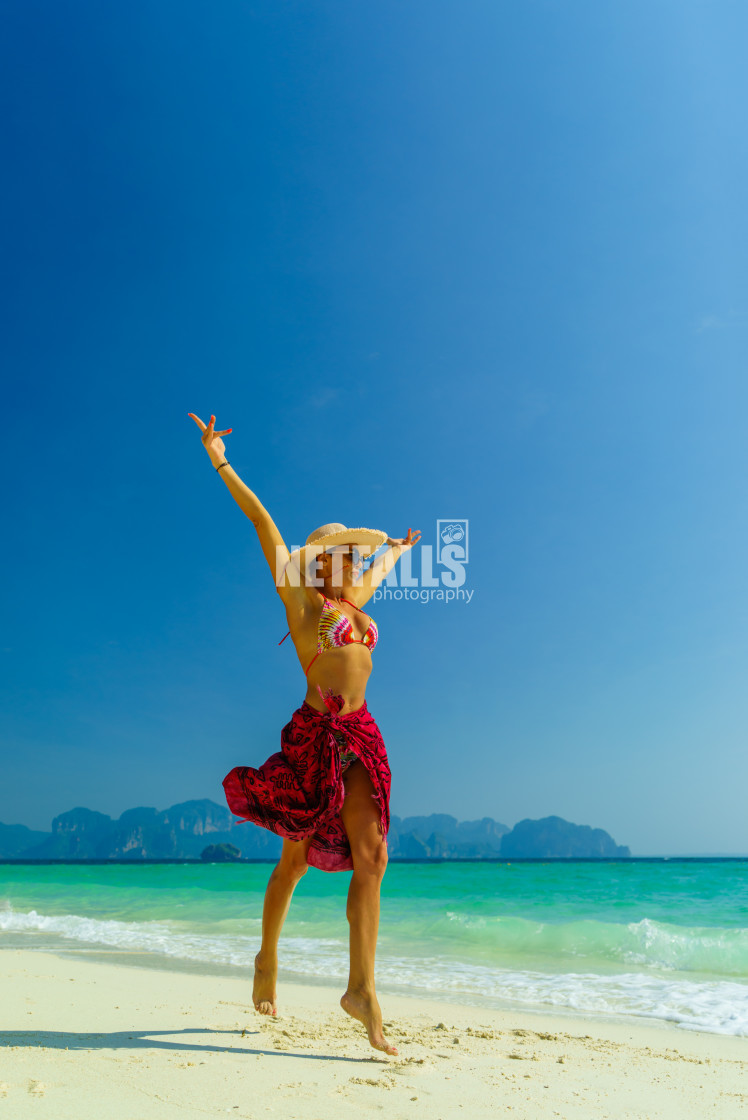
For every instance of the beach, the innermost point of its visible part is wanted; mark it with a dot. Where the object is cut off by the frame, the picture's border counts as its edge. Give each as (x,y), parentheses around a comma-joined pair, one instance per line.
(574,990)
(84,1038)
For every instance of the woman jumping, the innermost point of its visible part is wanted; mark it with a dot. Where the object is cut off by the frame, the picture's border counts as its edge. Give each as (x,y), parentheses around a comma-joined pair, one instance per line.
(327,790)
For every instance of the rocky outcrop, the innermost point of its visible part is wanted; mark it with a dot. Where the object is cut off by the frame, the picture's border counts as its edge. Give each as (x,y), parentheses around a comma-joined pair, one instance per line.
(15,839)
(555,838)
(220,853)
(440,836)
(176,833)
(77,834)
(185,831)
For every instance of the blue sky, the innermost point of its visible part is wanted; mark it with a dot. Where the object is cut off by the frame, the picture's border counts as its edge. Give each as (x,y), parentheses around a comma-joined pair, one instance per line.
(431,260)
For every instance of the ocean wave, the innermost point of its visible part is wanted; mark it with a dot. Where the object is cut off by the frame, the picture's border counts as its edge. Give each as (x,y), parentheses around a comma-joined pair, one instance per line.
(716,1005)
(150,937)
(658,945)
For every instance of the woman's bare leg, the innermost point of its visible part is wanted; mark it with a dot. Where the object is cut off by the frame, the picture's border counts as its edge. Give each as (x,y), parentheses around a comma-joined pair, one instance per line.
(360,816)
(291,867)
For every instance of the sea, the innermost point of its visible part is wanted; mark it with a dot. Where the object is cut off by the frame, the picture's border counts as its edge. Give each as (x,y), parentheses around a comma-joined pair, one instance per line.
(640,939)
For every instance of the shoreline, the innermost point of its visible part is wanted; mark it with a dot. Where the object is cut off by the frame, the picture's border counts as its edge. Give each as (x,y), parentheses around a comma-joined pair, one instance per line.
(95,1037)
(11,861)
(182,966)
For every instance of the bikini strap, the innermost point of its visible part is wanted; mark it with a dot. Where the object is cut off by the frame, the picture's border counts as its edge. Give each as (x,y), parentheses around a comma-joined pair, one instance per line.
(280,643)
(350,604)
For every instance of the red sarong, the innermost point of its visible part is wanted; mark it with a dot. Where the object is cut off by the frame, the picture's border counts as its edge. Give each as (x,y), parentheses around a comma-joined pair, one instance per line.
(299,791)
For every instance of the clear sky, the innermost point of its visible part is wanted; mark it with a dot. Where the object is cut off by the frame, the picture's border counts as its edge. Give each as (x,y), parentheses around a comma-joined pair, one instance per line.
(480,260)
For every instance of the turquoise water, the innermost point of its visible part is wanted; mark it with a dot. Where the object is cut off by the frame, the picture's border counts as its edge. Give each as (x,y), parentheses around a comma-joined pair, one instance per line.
(663,940)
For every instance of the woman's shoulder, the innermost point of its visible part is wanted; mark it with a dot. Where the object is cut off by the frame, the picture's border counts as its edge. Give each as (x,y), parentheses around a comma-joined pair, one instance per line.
(294,590)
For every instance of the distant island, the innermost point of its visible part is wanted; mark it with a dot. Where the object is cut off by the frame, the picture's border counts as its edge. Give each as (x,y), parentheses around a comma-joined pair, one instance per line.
(205,830)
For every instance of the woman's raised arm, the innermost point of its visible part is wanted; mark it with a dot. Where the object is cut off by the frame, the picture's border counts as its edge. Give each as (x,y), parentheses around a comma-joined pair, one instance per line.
(273,546)
(369,580)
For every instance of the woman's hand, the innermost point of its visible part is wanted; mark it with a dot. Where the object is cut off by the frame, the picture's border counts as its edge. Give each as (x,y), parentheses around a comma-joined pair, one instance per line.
(211,441)
(406,542)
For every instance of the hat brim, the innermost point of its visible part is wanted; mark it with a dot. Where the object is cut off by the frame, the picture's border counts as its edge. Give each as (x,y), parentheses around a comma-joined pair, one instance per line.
(366,541)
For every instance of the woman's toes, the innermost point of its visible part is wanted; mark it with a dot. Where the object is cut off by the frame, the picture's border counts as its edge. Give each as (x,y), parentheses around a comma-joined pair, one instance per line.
(265,1007)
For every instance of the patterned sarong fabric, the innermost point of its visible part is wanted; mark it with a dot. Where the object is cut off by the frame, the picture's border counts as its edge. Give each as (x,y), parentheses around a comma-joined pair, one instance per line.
(299,791)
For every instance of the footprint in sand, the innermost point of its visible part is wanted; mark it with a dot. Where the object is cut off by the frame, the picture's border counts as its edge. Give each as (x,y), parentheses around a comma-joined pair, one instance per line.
(36,1088)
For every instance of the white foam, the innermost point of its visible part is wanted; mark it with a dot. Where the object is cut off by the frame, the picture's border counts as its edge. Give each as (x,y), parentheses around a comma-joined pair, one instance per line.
(719,1006)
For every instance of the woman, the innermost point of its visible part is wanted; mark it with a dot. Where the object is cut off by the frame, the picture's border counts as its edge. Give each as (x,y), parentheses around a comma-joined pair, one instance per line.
(327,791)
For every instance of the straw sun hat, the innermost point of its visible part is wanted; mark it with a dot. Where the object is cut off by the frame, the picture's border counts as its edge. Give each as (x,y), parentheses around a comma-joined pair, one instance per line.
(328,536)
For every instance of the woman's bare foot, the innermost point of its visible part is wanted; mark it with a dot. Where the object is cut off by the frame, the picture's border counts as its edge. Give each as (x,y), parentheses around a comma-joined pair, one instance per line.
(263,991)
(366,1010)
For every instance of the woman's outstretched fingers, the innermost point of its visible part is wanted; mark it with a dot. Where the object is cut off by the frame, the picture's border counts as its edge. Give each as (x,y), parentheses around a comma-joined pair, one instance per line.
(208,428)
(406,542)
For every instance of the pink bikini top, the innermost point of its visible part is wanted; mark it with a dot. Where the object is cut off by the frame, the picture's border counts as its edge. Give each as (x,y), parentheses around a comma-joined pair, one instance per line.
(335,630)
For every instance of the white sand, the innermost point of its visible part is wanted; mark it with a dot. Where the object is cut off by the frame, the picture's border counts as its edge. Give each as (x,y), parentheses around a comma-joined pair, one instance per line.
(83,1039)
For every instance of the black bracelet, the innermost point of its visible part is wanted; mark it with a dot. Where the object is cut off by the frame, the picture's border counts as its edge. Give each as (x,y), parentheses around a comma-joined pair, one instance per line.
(225,464)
